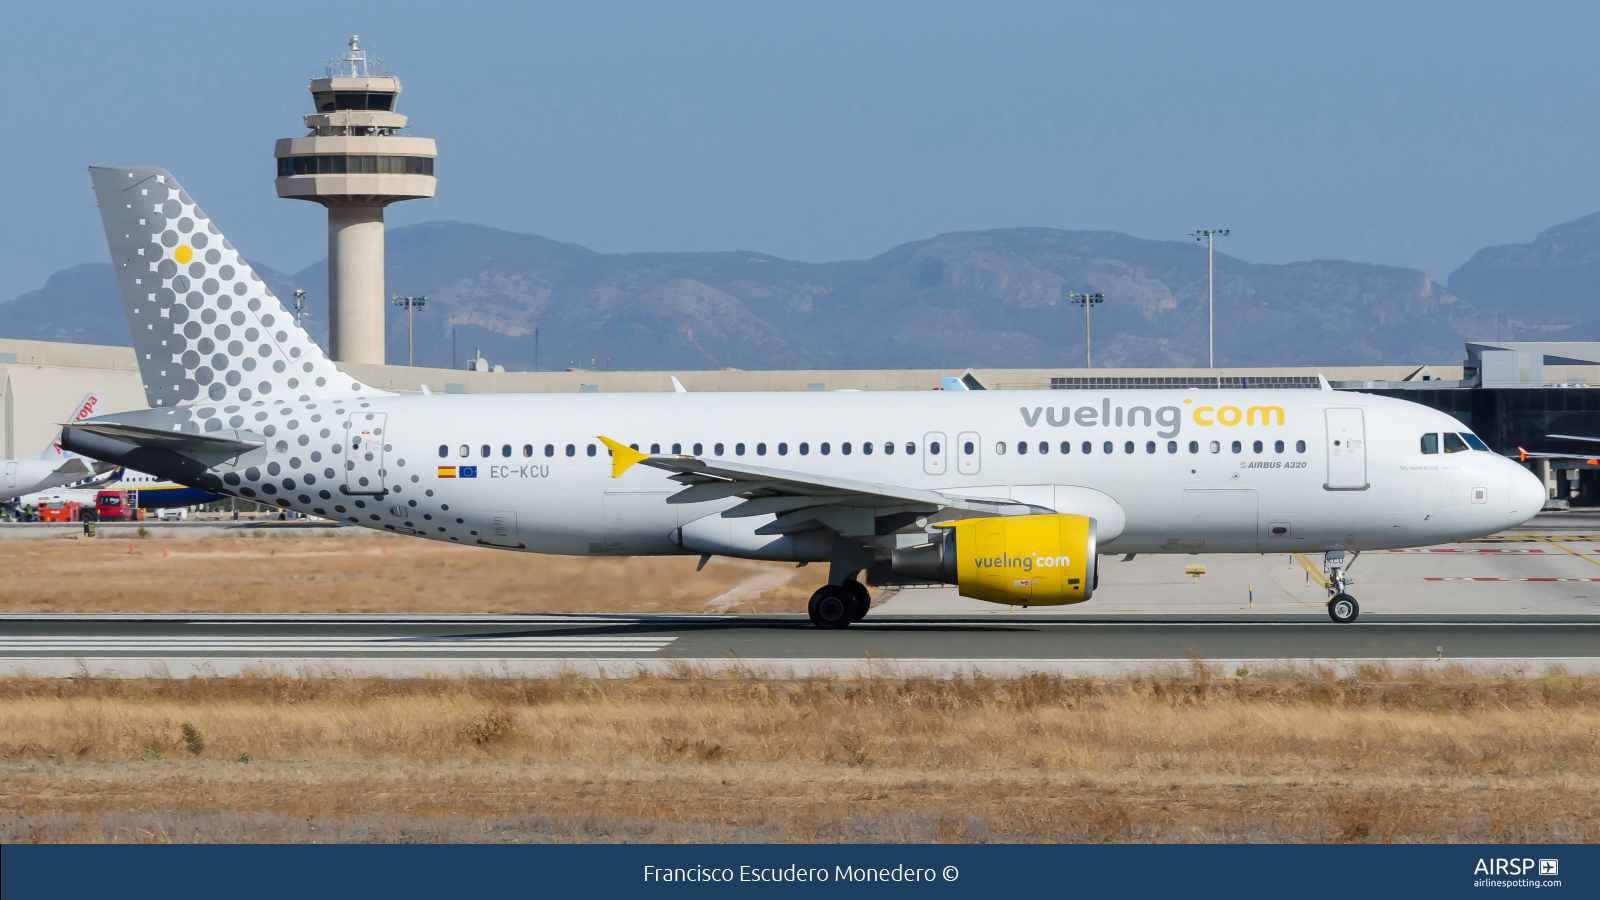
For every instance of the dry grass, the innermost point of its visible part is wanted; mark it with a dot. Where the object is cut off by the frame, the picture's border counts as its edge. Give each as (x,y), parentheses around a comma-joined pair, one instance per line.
(1180,757)
(376,574)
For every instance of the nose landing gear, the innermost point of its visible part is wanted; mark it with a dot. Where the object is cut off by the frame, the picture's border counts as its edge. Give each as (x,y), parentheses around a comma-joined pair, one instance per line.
(1342,607)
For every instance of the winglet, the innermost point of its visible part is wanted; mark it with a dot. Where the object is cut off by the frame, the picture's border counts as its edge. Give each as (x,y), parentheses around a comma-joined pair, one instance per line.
(677,386)
(622,456)
(1322,383)
(1524,457)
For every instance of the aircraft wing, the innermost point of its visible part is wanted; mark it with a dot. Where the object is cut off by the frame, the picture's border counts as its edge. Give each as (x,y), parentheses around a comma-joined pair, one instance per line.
(76,467)
(1525,455)
(801,501)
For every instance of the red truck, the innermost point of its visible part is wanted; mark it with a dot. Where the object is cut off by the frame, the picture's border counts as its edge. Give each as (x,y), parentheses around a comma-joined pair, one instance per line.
(117,506)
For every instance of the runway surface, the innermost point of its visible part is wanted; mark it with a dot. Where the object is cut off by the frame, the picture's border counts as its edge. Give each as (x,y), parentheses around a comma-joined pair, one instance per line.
(132,644)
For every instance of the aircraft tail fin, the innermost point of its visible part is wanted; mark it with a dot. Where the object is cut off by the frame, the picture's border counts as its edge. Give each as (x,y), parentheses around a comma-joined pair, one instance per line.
(205,327)
(86,407)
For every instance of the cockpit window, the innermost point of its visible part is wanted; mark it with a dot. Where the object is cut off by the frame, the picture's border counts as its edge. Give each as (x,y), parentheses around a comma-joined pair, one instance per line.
(1473,441)
(1453,442)
(1430,443)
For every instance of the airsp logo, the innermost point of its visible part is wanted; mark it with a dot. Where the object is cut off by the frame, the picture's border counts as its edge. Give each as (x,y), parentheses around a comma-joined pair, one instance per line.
(1501,866)
(1549,867)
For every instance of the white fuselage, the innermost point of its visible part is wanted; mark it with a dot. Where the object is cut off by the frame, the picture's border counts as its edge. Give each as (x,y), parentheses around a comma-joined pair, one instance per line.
(1167,458)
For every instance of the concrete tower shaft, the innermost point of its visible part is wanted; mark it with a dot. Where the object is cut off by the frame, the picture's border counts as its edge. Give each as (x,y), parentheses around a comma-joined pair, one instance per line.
(354,163)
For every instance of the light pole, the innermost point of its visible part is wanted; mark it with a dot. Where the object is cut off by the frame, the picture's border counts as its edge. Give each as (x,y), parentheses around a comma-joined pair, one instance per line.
(299,305)
(1209,236)
(1087,301)
(412,304)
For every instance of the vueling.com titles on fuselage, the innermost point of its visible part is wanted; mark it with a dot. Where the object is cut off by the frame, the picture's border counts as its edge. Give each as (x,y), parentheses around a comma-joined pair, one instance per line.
(1168,417)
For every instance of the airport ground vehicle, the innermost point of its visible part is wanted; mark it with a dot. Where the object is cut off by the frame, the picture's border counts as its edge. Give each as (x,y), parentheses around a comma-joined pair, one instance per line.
(117,506)
(1010,495)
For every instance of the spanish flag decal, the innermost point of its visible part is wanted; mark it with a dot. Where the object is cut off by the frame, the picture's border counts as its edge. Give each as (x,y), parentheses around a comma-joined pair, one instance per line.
(447,471)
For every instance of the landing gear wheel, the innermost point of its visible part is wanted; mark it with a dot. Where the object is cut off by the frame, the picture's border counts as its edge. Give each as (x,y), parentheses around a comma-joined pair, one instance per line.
(831,607)
(861,599)
(1343,609)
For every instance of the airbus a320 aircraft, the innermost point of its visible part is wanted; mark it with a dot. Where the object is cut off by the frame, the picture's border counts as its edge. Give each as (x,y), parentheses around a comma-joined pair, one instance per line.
(1009,495)
(51,467)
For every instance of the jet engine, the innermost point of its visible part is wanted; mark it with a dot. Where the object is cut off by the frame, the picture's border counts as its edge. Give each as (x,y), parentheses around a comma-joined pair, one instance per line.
(1045,560)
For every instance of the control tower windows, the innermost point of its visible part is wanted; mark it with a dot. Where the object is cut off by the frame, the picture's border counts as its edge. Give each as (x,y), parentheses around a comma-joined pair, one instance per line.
(334,101)
(355,165)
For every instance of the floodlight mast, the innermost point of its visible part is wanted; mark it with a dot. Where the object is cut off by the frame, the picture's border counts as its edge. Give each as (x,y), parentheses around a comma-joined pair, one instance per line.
(411,304)
(1209,236)
(1087,301)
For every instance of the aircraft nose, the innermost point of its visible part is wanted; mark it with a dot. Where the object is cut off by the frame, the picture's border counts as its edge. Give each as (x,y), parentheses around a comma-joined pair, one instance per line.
(1525,494)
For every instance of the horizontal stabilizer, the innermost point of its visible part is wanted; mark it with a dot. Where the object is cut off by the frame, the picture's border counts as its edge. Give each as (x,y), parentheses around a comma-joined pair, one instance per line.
(212,443)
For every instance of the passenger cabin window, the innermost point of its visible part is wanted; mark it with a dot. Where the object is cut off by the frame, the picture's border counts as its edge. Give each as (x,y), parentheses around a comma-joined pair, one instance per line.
(443,451)
(966,448)
(1066,446)
(1430,443)
(888,448)
(845,448)
(783,449)
(572,450)
(1044,447)
(1237,446)
(805,449)
(484,450)
(527,449)
(1299,446)
(1000,448)
(911,449)
(761,449)
(505,449)
(824,448)
(1194,446)
(1277,446)
(1109,447)
(655,449)
(738,449)
(716,450)
(866,448)
(1216,446)
(465,451)
(933,447)
(1022,446)
(549,449)
(699,449)
(1453,442)
(677,449)
(591,450)
(1256,446)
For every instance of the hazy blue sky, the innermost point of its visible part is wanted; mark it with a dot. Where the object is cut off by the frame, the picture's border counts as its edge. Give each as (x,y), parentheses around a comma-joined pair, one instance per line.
(1402,133)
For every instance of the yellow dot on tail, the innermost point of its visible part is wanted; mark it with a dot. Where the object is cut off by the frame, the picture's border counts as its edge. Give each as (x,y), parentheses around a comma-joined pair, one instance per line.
(183,254)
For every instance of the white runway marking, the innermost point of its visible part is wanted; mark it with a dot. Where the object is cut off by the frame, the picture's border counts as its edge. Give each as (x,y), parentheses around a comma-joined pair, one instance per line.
(71,645)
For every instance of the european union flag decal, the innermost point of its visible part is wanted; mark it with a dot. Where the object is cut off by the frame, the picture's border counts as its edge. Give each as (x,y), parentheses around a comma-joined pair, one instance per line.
(466,471)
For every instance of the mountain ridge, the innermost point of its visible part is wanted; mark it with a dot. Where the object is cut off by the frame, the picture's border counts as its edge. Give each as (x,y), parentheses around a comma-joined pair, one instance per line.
(992,298)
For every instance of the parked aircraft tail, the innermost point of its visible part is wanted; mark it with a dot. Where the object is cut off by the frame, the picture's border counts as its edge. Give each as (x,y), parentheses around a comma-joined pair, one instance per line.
(86,407)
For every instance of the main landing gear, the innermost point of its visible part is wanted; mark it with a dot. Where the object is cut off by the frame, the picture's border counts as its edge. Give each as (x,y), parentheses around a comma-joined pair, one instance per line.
(838,605)
(1342,607)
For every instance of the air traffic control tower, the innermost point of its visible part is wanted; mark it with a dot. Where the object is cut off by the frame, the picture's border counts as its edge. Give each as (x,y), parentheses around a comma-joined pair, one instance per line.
(355,163)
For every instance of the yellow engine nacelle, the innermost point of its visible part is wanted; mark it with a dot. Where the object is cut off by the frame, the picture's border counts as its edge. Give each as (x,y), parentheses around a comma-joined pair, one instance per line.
(1046,560)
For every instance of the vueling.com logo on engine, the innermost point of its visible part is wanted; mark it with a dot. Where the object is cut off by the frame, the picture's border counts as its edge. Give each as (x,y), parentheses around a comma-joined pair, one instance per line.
(1025,563)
